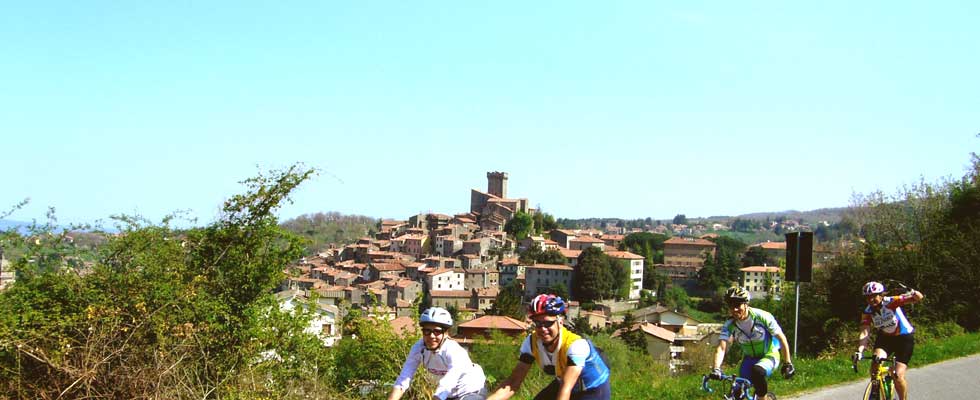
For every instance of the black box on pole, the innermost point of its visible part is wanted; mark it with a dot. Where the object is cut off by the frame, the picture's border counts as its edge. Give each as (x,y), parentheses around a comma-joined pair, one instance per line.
(803,241)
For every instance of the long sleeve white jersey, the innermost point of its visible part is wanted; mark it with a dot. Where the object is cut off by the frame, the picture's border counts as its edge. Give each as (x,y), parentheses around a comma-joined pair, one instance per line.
(450,365)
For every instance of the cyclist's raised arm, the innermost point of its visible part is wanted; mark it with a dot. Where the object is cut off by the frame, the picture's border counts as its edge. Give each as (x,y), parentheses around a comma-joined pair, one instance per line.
(917,296)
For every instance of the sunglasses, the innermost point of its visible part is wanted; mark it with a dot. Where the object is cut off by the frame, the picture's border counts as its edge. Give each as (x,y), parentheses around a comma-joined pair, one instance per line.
(544,324)
(437,332)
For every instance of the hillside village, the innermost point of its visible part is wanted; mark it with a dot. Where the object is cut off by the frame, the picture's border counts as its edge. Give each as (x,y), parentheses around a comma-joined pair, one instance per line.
(463,261)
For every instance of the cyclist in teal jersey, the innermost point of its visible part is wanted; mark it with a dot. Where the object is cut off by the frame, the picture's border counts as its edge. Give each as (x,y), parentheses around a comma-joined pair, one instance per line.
(760,338)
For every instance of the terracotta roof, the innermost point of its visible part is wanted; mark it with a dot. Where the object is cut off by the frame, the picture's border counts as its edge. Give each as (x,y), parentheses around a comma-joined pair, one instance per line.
(449,293)
(388,267)
(403,326)
(612,237)
(438,258)
(624,254)
(568,253)
(438,271)
(586,239)
(771,245)
(759,268)
(649,329)
(399,303)
(551,266)
(411,237)
(510,261)
(689,241)
(566,232)
(550,242)
(495,322)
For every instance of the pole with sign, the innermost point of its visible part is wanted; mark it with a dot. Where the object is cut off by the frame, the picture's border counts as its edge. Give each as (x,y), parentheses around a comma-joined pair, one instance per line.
(799,268)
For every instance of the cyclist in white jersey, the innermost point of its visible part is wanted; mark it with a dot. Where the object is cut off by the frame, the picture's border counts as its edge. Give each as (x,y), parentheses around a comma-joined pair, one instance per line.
(445,360)
(884,314)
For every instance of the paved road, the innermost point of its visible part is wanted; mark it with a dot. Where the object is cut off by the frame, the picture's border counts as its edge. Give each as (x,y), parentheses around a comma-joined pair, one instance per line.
(953,379)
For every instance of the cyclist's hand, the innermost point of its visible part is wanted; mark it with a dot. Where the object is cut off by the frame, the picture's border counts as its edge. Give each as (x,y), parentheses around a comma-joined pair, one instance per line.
(715,374)
(857,356)
(788,370)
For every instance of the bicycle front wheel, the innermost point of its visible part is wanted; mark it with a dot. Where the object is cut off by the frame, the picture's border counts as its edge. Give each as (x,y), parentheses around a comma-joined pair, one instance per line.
(888,392)
(873,391)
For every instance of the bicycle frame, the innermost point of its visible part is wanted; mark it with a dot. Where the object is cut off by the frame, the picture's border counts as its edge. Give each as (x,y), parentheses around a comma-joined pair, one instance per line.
(739,389)
(880,387)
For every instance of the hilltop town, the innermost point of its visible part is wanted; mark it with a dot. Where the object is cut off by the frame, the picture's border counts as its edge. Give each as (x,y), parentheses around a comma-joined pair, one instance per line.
(465,262)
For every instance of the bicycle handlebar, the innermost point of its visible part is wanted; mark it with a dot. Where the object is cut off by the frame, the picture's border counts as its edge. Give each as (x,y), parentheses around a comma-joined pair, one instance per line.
(732,378)
(871,358)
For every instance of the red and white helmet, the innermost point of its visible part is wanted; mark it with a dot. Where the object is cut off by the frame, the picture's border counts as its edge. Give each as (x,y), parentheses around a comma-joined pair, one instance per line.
(873,287)
(546,304)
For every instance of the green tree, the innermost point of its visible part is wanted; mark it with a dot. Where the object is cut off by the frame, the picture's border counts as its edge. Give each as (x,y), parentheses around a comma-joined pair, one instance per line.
(520,225)
(508,302)
(594,278)
(165,313)
(559,290)
(535,255)
(680,219)
(676,298)
(756,255)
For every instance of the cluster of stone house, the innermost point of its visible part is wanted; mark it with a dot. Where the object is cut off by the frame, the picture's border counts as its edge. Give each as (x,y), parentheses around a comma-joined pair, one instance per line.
(458,261)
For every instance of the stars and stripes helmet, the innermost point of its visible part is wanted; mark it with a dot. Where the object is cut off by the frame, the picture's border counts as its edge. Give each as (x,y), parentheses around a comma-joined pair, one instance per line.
(548,304)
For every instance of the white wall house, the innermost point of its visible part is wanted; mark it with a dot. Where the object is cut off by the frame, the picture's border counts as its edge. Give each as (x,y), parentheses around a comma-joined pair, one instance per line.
(444,279)
(635,264)
(324,324)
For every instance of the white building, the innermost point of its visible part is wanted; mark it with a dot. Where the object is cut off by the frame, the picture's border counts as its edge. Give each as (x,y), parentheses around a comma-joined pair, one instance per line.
(323,324)
(635,264)
(444,279)
(760,281)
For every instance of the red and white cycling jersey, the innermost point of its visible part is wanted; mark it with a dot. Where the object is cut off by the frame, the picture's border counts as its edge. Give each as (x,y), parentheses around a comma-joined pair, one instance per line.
(889,317)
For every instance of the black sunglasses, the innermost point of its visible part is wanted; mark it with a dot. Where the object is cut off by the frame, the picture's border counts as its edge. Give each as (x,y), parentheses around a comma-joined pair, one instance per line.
(427,331)
(544,324)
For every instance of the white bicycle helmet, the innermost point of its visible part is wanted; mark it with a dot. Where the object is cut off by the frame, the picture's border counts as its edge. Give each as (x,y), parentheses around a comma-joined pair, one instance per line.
(436,315)
(873,287)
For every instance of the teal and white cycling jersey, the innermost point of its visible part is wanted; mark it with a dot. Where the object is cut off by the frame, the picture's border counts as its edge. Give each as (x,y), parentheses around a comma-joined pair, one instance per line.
(756,334)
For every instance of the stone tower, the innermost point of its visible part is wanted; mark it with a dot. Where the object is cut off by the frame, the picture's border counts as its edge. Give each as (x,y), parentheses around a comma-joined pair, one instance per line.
(497,184)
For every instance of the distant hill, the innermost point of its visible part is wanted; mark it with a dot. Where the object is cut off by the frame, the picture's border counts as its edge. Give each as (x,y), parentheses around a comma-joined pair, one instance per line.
(20,226)
(331,228)
(831,215)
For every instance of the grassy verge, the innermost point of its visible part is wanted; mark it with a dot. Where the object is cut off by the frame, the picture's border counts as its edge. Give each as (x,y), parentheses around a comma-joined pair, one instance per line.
(811,374)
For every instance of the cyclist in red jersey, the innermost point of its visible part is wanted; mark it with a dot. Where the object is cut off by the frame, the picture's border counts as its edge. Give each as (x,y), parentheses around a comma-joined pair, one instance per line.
(884,314)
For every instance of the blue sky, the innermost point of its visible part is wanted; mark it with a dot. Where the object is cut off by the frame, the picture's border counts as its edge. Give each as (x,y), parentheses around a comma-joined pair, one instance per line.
(605,109)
